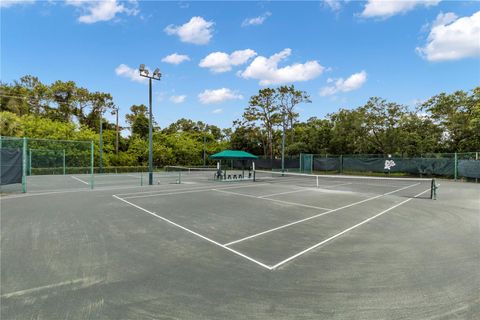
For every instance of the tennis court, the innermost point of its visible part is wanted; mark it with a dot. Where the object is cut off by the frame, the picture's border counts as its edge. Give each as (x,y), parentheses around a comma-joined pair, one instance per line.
(285,246)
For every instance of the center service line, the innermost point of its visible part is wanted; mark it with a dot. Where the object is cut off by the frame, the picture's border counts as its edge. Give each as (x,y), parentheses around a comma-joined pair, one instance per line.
(195,233)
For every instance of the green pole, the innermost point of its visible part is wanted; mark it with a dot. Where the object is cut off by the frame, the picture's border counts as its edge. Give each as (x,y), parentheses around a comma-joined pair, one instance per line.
(341,163)
(91,164)
(30,161)
(301,168)
(476,158)
(63,161)
(455,167)
(24,166)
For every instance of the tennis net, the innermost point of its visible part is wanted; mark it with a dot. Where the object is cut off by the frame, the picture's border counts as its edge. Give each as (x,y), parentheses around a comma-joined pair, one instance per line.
(406,187)
(191,170)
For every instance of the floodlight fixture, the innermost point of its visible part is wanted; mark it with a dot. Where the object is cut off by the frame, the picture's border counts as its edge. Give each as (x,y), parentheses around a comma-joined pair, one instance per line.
(157,74)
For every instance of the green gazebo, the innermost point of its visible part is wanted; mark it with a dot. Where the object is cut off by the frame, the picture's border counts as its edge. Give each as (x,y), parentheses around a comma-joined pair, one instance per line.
(233,155)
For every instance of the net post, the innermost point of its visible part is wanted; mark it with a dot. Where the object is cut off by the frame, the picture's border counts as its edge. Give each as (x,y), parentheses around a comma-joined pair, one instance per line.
(455,166)
(317,180)
(141,178)
(179,177)
(91,165)
(433,190)
(253,167)
(24,165)
(63,161)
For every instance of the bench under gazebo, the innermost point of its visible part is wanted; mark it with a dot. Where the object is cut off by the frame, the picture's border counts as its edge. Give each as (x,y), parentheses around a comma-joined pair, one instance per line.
(233,155)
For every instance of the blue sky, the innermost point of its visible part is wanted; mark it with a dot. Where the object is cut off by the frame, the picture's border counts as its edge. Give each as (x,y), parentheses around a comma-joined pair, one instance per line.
(214,55)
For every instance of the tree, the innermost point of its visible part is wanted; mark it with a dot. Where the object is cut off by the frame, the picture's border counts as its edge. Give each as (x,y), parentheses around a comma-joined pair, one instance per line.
(348,132)
(288,99)
(313,136)
(138,120)
(263,109)
(458,114)
(248,138)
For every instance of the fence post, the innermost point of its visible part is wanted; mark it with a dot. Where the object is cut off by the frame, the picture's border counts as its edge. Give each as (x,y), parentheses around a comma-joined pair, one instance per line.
(341,163)
(91,164)
(455,167)
(30,161)
(24,165)
(301,167)
(476,158)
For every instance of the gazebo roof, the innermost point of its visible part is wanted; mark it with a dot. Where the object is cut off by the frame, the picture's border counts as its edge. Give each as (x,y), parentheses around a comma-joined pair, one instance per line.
(232,155)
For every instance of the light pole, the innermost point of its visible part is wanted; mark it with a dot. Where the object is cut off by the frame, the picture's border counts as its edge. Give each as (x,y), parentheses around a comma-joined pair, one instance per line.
(101,141)
(283,144)
(115,110)
(204,146)
(155,76)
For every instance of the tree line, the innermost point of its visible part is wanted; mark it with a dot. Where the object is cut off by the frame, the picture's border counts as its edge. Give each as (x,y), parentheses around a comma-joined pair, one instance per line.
(445,123)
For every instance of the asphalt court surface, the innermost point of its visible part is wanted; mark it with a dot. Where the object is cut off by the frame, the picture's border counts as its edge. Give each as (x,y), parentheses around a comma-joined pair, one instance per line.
(210,250)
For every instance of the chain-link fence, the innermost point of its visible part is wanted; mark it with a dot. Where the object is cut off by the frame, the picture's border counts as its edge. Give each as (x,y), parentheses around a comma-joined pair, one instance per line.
(448,165)
(41,157)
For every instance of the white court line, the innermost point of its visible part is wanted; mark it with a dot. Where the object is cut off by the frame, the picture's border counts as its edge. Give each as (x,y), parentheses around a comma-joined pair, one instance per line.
(205,186)
(280,193)
(315,216)
(195,233)
(274,200)
(303,189)
(78,179)
(60,191)
(191,190)
(345,231)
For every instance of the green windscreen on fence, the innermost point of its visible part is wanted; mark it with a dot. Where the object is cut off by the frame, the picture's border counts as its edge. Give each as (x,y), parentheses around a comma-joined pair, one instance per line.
(47,161)
(449,165)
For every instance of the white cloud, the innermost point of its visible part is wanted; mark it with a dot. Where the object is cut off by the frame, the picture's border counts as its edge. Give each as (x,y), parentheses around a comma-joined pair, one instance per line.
(176,58)
(452,38)
(217,111)
(267,71)
(388,8)
(178,99)
(257,20)
(95,11)
(11,3)
(219,62)
(196,31)
(218,96)
(354,82)
(133,74)
(334,5)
